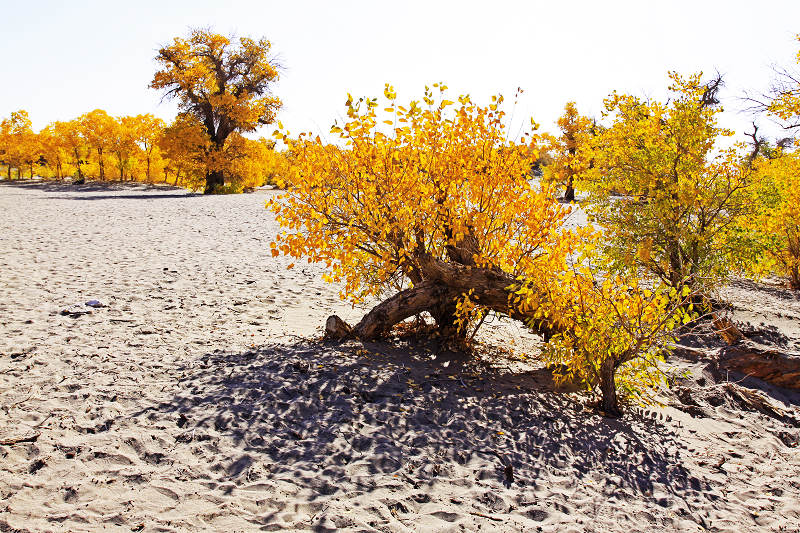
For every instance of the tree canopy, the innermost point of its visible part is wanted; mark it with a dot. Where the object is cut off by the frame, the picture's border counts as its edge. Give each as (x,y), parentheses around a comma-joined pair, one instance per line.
(785,102)
(17,141)
(224,83)
(665,194)
(433,206)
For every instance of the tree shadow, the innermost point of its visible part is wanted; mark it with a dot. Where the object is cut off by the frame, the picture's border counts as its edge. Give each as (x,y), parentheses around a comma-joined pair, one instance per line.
(125,196)
(335,418)
(124,189)
(781,292)
(702,345)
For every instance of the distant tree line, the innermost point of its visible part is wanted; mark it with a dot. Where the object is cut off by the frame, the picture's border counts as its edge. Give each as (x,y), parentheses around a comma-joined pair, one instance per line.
(222,85)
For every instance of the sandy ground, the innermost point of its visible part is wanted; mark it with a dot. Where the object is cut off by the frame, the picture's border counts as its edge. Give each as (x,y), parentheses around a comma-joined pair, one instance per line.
(201,398)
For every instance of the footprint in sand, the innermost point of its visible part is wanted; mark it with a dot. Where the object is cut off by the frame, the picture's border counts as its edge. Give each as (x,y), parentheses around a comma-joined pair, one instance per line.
(166,492)
(447,517)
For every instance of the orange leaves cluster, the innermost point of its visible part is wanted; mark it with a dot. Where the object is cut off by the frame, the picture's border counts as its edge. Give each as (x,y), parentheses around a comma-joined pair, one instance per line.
(18,143)
(208,70)
(570,152)
(140,148)
(405,183)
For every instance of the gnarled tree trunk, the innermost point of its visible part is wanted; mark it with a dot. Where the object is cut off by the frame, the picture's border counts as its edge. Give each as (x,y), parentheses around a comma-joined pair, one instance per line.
(443,283)
(395,309)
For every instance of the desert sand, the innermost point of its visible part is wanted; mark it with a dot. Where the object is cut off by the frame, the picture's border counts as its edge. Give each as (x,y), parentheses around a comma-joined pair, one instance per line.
(201,397)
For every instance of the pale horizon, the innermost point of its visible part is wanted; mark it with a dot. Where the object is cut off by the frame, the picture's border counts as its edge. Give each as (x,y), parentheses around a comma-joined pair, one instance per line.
(90,55)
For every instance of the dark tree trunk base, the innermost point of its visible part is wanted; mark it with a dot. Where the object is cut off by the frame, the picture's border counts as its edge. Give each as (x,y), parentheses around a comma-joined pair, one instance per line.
(609,404)
(444,315)
(214,182)
(445,282)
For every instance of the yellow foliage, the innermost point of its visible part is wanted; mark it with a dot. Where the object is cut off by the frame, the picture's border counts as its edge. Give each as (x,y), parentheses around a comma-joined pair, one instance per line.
(19,147)
(776,220)
(200,69)
(390,198)
(786,104)
(664,194)
(100,132)
(224,85)
(184,144)
(144,132)
(69,139)
(259,164)
(610,322)
(54,154)
(569,151)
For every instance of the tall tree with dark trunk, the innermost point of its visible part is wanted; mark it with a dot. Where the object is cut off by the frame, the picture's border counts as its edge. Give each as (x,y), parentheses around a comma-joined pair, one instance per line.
(225,83)
(17,141)
(99,130)
(569,161)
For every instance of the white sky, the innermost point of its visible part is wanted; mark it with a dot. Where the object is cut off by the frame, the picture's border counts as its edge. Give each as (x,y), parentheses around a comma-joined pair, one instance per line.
(63,58)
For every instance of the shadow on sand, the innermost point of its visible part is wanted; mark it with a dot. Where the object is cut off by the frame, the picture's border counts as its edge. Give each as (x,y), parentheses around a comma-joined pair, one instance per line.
(86,191)
(355,417)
